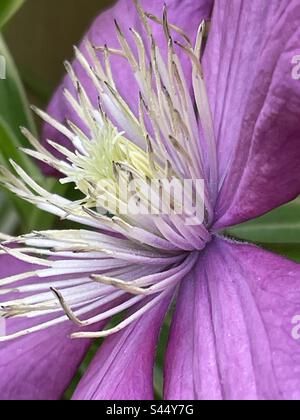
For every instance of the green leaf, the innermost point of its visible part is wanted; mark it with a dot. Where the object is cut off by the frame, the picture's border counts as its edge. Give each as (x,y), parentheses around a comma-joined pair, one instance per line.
(30,216)
(9,149)
(291,251)
(7,9)
(8,217)
(14,107)
(15,112)
(281,226)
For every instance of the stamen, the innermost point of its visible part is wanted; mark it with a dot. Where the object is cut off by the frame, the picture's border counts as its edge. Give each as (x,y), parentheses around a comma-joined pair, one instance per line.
(172,26)
(70,314)
(125,323)
(128,259)
(120,284)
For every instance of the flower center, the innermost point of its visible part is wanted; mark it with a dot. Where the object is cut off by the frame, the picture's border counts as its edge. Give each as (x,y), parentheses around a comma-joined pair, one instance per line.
(149,183)
(103,156)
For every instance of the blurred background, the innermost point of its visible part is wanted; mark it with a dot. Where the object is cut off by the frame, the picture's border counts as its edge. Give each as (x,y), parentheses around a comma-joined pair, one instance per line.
(41,35)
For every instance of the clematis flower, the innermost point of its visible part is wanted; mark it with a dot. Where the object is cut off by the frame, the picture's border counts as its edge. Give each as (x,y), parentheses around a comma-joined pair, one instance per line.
(138,103)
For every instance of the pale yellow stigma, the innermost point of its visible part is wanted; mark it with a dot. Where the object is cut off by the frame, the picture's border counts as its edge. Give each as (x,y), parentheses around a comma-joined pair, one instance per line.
(104,158)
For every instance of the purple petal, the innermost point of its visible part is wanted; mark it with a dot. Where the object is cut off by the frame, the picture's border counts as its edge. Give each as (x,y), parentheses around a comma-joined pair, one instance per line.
(256,105)
(39,366)
(234,340)
(123,367)
(187,14)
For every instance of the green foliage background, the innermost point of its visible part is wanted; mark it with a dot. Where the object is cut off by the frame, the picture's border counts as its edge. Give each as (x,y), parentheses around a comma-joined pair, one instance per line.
(35,41)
